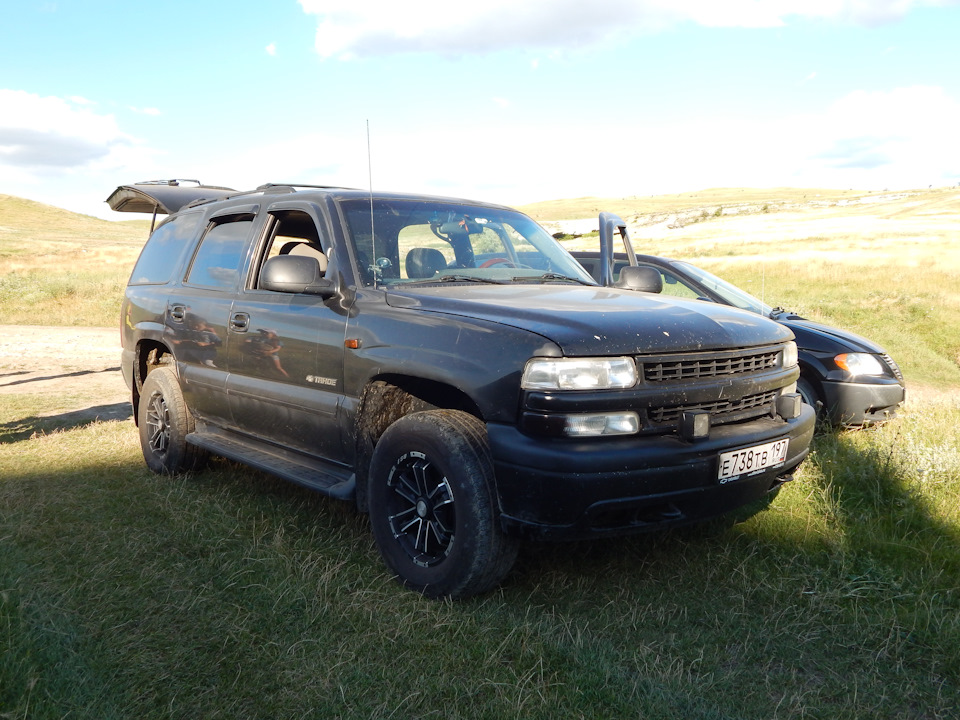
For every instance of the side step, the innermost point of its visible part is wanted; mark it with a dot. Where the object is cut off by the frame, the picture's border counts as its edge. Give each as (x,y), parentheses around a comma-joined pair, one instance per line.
(332,480)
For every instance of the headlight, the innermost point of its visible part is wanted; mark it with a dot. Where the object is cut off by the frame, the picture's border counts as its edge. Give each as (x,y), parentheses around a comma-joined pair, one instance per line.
(579,374)
(788,357)
(860,364)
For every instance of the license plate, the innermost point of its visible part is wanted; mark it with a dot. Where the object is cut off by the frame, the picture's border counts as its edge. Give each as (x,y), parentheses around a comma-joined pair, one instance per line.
(752,460)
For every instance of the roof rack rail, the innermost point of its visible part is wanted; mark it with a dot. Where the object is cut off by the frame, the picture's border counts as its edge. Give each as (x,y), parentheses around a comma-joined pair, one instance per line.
(290,187)
(176,182)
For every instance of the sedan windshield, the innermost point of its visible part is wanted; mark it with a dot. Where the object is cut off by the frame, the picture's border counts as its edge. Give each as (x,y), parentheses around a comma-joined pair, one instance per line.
(424,242)
(730,293)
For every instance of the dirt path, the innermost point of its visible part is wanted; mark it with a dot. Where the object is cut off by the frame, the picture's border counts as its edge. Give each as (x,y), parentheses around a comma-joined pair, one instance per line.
(74,372)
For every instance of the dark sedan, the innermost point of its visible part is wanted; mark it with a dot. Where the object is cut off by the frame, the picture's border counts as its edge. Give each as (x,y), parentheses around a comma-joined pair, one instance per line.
(851,380)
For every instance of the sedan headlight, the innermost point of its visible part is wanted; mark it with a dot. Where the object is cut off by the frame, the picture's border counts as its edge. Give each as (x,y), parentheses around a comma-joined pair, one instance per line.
(579,374)
(789,358)
(860,364)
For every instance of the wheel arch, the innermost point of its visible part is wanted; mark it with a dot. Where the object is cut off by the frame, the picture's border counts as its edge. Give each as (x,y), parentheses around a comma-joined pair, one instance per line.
(149,355)
(389,397)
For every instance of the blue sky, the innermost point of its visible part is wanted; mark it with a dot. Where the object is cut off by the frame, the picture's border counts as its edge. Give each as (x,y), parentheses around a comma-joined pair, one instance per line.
(499,100)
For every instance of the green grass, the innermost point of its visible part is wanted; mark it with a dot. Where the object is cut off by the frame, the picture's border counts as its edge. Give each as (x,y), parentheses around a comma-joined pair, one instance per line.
(228,594)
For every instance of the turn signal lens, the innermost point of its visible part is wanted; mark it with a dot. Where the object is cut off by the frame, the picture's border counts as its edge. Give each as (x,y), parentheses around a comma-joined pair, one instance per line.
(600,424)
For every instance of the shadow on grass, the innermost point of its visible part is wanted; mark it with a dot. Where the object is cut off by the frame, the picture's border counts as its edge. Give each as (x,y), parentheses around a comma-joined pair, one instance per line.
(878,526)
(78,373)
(25,428)
(881,507)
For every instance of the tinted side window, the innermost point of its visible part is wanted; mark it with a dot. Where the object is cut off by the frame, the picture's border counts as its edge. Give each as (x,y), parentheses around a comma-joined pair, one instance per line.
(673,285)
(217,262)
(161,255)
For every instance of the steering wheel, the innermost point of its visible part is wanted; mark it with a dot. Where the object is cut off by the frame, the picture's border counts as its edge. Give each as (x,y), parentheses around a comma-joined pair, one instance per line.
(497,261)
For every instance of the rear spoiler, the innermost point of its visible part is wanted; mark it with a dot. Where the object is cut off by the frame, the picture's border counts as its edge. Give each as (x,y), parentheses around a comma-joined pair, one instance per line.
(163,196)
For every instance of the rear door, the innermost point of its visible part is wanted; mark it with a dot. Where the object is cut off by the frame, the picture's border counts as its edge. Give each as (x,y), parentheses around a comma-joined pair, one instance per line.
(286,350)
(198,313)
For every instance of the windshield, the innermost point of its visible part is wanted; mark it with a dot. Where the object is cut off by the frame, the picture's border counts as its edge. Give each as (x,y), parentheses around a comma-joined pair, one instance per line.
(730,293)
(416,241)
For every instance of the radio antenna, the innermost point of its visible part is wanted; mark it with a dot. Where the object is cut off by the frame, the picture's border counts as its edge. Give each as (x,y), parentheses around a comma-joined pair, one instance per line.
(373,237)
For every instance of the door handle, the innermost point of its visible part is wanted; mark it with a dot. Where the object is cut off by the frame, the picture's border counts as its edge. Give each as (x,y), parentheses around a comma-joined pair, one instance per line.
(240,322)
(178,313)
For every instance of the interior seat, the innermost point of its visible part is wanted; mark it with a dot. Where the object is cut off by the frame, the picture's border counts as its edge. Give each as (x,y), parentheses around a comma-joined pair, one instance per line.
(423,263)
(306,250)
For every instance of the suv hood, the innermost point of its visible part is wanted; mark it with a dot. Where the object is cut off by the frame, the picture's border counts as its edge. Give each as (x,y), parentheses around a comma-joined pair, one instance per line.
(598,320)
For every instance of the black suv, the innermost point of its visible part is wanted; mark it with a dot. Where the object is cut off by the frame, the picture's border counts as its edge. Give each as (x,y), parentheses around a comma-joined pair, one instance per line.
(450,368)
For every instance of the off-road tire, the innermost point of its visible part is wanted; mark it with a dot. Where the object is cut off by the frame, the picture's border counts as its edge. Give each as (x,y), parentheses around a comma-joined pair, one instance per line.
(433,507)
(164,422)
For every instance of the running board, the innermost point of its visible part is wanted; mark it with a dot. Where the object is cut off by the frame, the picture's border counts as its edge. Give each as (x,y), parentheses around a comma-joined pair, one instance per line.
(325,478)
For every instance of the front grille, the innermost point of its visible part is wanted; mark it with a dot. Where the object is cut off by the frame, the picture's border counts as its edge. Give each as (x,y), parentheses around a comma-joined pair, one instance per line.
(721,411)
(694,367)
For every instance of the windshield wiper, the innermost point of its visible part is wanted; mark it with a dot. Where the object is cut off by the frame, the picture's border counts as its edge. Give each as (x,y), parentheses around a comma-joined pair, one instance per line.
(456,278)
(552,276)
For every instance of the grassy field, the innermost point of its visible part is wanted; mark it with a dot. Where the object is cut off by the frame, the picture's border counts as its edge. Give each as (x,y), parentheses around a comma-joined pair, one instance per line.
(60,268)
(227,594)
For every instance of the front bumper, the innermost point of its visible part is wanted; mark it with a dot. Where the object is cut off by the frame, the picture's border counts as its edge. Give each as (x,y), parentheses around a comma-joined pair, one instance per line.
(854,404)
(562,489)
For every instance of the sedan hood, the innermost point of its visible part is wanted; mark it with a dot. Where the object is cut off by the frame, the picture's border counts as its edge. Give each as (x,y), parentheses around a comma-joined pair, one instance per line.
(823,338)
(599,321)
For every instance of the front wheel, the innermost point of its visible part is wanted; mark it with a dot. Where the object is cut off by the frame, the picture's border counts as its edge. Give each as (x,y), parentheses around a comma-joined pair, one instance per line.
(164,422)
(432,505)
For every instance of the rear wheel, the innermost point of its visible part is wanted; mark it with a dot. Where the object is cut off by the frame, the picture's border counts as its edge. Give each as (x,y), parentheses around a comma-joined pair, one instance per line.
(432,505)
(164,422)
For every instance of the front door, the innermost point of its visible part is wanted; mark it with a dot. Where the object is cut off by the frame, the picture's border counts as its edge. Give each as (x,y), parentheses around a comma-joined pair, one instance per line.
(286,350)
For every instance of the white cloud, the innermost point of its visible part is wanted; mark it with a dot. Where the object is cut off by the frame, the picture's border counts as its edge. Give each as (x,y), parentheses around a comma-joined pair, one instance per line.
(359,28)
(59,150)
(271,49)
(899,138)
(52,132)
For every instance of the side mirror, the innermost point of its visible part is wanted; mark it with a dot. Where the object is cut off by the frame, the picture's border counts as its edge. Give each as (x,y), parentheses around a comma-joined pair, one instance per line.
(642,278)
(295,274)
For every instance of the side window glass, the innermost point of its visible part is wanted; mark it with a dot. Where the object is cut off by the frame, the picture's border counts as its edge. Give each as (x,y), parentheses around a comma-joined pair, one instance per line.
(217,262)
(294,232)
(161,255)
(672,285)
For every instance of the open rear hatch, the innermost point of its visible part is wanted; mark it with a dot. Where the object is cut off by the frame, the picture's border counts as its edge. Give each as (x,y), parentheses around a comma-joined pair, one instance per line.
(163,196)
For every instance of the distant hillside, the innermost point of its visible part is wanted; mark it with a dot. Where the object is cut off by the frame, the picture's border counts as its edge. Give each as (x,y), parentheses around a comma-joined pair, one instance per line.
(728,200)
(28,221)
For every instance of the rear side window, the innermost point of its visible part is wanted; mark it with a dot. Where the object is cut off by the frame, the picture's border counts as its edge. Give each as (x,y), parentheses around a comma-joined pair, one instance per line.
(217,262)
(162,253)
